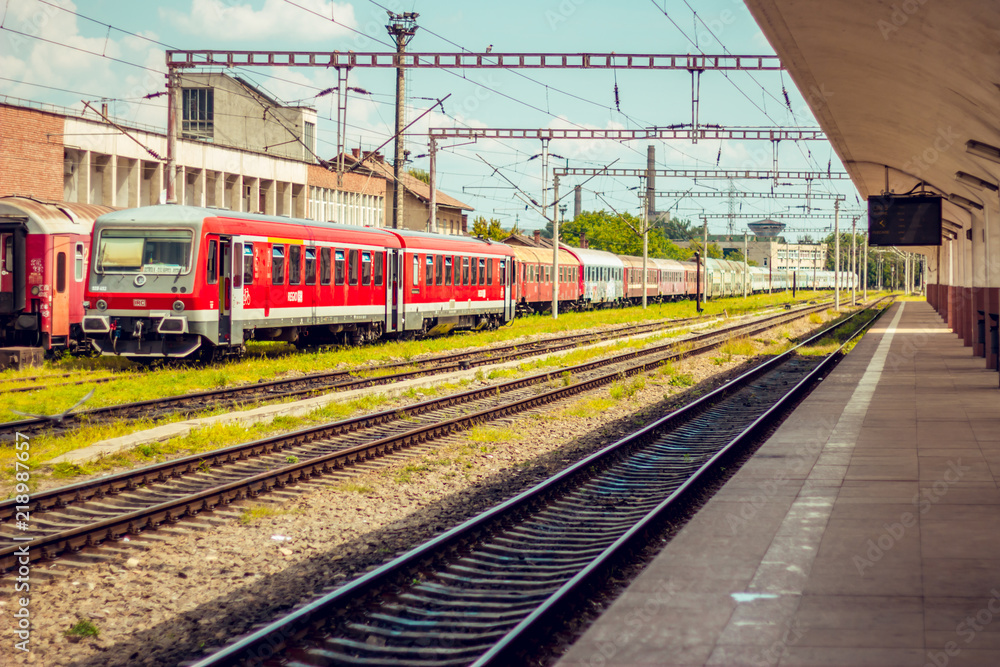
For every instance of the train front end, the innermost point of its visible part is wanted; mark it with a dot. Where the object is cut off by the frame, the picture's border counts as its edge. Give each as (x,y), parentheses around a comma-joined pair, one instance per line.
(142,298)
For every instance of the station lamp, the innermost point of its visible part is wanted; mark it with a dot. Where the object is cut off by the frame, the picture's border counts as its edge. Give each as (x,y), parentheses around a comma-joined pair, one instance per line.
(975,181)
(962,201)
(980,149)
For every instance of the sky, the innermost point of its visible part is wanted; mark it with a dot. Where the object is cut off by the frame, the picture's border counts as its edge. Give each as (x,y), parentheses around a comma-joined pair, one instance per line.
(62,52)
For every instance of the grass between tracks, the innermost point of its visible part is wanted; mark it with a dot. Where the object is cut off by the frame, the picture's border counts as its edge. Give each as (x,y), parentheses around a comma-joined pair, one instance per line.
(45,448)
(268,361)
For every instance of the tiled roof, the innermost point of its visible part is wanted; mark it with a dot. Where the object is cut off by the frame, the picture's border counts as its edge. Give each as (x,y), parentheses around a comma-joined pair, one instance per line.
(417,187)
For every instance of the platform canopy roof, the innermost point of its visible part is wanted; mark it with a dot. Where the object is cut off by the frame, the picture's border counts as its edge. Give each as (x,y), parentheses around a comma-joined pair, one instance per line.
(903,84)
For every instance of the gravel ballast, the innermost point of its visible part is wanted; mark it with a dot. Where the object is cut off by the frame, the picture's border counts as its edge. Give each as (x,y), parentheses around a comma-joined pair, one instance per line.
(181,598)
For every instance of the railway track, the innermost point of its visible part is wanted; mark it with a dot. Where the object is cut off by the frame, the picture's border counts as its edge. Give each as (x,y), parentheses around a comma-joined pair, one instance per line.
(318,383)
(102,510)
(488,591)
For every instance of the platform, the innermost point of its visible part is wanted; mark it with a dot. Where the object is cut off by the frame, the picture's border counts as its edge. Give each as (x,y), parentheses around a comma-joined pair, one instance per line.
(865,531)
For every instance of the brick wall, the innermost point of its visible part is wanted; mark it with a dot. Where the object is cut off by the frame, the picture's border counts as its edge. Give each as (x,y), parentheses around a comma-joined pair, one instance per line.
(31,163)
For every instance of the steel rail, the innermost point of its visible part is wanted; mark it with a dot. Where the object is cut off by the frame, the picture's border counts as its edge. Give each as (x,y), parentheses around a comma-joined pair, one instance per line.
(91,534)
(329,380)
(268,641)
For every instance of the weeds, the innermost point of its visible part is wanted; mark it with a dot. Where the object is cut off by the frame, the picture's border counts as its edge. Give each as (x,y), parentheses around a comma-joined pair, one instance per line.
(84,627)
(627,388)
(255,513)
(682,380)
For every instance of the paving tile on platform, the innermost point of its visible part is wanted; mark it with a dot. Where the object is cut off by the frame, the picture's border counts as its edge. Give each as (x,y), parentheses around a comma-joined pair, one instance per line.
(961,577)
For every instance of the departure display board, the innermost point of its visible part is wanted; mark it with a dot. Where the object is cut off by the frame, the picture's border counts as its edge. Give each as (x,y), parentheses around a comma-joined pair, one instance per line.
(896,220)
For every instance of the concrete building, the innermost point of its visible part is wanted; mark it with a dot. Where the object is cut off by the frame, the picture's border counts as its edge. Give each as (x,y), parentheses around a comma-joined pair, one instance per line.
(773,253)
(57,153)
(229,111)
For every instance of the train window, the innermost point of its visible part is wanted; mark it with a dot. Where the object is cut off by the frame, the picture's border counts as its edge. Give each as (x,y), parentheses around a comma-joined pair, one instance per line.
(429,270)
(78,262)
(144,251)
(248,264)
(439,270)
(324,266)
(352,267)
(416,269)
(310,266)
(294,265)
(366,268)
(447,270)
(237,265)
(489,272)
(472,278)
(277,264)
(482,271)
(212,263)
(465,270)
(339,272)
(61,272)
(458,268)
(502,272)
(378,268)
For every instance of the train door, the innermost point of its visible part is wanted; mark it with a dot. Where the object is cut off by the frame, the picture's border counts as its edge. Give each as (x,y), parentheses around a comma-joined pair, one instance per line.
(225,289)
(393,290)
(12,267)
(59,315)
(507,280)
(242,272)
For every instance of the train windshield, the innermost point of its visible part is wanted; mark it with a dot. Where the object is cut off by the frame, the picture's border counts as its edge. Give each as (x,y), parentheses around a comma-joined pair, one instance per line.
(144,251)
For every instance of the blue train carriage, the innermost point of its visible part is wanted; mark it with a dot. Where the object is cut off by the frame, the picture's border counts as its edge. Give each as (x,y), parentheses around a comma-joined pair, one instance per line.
(603,277)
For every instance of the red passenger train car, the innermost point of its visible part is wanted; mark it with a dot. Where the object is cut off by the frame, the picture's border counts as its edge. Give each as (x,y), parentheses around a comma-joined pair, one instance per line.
(173,281)
(533,279)
(44,247)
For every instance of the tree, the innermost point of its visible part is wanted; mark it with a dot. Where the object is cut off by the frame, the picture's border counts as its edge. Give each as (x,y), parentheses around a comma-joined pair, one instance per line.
(489,229)
(714,251)
(619,234)
(679,230)
(420,175)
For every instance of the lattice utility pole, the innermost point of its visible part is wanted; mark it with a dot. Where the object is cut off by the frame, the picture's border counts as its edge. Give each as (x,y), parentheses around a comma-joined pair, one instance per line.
(401,28)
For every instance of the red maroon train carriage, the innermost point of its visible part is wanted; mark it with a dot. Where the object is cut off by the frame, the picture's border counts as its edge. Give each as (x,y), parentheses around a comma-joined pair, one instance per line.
(172,281)
(44,247)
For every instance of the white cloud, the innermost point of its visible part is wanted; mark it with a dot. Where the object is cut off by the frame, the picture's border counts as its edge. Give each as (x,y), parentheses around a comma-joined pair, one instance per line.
(47,48)
(232,21)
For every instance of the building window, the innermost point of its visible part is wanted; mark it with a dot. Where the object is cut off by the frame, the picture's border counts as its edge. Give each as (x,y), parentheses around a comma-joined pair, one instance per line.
(198,113)
(309,139)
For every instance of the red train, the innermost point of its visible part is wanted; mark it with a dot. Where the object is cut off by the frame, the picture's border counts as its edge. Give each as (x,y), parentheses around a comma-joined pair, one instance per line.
(44,246)
(173,281)
(178,281)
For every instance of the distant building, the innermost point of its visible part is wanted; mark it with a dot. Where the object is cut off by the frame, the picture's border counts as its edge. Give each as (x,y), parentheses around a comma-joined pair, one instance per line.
(56,153)
(229,111)
(451,213)
(771,252)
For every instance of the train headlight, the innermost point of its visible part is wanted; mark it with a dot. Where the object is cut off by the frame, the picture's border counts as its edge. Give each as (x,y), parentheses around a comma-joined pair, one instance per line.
(102,304)
(35,291)
(178,306)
